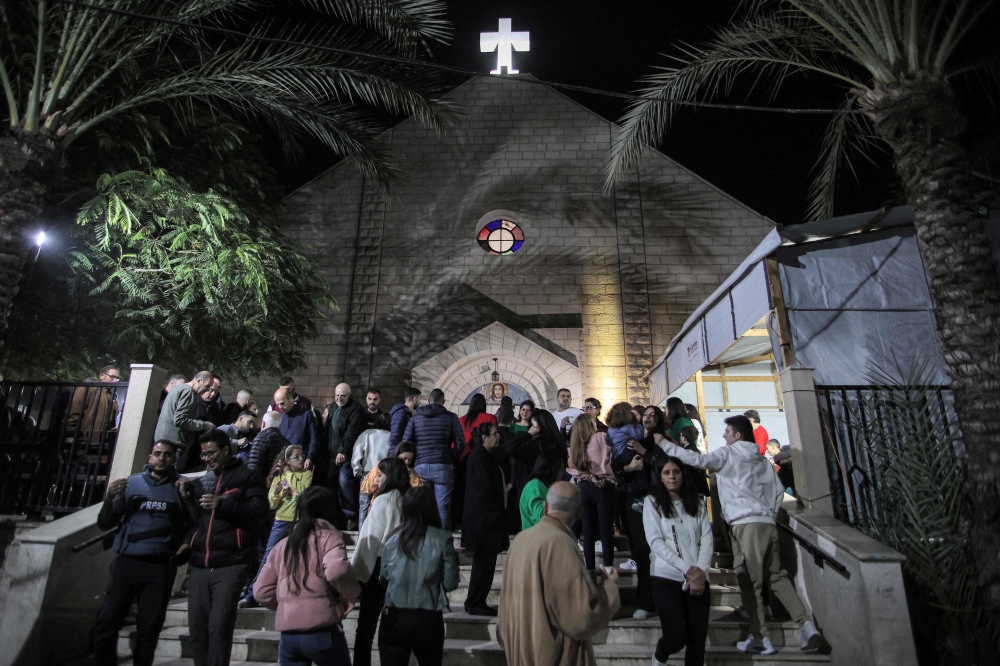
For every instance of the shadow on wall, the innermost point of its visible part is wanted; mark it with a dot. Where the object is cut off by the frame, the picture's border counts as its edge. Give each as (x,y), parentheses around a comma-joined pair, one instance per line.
(418,328)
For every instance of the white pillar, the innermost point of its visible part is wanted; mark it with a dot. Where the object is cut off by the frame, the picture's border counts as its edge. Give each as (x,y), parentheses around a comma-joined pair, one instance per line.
(135,434)
(805,434)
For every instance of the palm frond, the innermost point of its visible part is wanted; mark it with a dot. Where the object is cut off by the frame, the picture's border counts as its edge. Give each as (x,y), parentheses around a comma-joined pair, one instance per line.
(847,135)
(768,48)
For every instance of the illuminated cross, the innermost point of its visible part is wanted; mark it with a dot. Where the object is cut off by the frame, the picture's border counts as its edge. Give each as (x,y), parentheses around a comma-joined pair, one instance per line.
(502,42)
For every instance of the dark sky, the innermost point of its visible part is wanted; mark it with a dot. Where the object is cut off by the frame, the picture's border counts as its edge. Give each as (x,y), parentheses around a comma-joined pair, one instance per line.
(763,159)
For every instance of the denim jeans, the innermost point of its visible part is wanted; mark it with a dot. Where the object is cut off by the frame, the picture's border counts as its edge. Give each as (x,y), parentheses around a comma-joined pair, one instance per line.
(326,646)
(279,531)
(364,502)
(598,503)
(441,479)
(348,490)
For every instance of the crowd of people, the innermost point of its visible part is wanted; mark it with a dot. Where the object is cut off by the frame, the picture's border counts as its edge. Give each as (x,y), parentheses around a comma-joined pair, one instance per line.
(265,523)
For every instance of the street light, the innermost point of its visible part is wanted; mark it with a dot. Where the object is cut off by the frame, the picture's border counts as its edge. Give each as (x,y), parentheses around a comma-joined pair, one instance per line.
(39,241)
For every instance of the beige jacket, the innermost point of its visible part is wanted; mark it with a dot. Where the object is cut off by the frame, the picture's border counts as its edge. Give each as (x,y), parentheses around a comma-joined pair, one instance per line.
(549,604)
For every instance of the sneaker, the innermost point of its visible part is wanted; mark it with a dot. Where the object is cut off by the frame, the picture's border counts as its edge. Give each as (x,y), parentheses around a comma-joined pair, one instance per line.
(483,611)
(598,547)
(756,645)
(628,566)
(657,662)
(641,615)
(812,640)
(247,602)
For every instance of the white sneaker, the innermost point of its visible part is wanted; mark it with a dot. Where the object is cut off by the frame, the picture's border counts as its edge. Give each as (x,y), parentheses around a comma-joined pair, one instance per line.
(812,640)
(628,566)
(756,645)
(598,547)
(657,662)
(641,615)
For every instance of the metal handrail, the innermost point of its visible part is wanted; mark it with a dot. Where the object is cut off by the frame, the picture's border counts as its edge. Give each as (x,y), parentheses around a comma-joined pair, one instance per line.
(820,557)
(93,540)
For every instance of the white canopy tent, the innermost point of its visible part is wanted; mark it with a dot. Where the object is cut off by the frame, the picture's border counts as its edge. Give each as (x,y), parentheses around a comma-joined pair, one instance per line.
(854,292)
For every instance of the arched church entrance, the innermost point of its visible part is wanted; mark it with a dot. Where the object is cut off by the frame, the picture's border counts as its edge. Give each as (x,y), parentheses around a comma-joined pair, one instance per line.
(523,368)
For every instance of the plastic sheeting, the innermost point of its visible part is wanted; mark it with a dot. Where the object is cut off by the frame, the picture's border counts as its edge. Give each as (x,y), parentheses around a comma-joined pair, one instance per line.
(687,358)
(859,302)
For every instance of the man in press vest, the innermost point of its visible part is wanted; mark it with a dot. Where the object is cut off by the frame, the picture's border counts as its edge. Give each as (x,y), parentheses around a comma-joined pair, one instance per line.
(152,510)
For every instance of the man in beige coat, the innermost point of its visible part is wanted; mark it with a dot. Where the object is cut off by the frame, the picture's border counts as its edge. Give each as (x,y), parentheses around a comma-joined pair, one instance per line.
(550,605)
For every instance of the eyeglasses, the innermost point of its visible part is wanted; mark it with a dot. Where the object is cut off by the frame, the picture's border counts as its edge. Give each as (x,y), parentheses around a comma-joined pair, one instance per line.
(294,457)
(589,408)
(113,378)
(205,455)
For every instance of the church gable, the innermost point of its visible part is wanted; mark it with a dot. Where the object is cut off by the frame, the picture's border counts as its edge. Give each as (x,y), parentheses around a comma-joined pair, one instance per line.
(618,273)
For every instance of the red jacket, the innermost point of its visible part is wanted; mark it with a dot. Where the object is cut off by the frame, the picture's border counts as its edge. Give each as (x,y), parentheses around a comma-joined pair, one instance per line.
(761,438)
(469,426)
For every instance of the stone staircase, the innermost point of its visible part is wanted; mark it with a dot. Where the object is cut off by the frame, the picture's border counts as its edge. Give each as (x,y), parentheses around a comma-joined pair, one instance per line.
(471,640)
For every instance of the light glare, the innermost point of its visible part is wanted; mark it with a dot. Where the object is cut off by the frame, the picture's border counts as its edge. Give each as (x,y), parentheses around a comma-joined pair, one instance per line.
(40,238)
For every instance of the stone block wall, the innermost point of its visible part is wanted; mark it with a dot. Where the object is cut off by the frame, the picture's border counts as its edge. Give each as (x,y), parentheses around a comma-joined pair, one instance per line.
(603,280)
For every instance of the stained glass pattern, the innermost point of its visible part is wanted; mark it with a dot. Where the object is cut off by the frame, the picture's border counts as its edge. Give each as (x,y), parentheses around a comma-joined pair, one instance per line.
(501,237)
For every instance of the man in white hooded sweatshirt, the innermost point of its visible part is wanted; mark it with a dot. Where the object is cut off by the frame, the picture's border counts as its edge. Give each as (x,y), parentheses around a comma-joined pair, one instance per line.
(750,494)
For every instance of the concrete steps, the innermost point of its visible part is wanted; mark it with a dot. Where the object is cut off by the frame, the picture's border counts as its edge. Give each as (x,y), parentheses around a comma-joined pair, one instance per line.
(471,640)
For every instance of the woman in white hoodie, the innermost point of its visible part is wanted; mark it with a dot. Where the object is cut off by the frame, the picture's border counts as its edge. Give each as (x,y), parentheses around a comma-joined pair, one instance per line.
(680,538)
(384,516)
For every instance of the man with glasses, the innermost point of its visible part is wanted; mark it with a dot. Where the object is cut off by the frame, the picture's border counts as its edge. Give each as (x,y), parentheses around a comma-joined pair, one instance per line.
(178,420)
(233,502)
(152,510)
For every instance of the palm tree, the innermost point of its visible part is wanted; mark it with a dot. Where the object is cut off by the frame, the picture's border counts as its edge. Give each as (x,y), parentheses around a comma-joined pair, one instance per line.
(896,62)
(69,66)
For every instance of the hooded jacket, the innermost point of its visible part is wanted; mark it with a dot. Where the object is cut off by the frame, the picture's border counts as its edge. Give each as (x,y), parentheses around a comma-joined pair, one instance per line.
(227,535)
(749,490)
(399,416)
(437,434)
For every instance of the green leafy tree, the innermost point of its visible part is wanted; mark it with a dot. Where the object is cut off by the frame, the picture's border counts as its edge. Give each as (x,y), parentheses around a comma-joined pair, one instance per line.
(68,71)
(197,282)
(897,63)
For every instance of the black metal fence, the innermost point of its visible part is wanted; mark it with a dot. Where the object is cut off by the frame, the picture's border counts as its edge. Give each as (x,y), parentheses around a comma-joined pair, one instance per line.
(57,441)
(847,413)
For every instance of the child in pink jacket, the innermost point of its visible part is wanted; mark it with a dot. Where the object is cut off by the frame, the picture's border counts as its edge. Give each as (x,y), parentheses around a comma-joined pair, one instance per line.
(307,579)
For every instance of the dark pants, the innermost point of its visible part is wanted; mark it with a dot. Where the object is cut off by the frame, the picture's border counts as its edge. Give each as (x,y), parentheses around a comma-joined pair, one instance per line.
(458,496)
(372,603)
(683,621)
(598,503)
(640,553)
(348,489)
(484,565)
(406,630)
(212,598)
(326,646)
(279,530)
(133,579)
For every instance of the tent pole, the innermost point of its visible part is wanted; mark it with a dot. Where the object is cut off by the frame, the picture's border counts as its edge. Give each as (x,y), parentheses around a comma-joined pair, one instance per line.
(778,300)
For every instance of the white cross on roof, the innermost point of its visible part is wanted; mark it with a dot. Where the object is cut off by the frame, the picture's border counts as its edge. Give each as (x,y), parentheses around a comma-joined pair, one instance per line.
(502,42)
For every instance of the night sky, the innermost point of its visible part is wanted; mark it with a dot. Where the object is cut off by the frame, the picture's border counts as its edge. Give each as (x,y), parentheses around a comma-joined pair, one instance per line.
(762,159)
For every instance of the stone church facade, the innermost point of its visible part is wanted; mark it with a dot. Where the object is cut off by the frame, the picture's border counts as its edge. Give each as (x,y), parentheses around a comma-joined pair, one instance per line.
(596,291)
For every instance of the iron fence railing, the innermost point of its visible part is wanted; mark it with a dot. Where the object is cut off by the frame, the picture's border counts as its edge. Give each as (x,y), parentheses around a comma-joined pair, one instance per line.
(57,441)
(847,413)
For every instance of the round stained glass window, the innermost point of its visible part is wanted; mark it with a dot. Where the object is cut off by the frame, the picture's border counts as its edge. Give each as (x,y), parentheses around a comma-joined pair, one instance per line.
(501,237)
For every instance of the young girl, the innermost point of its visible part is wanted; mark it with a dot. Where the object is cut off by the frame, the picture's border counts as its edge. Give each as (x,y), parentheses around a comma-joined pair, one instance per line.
(590,465)
(406,452)
(286,481)
(680,537)
(623,427)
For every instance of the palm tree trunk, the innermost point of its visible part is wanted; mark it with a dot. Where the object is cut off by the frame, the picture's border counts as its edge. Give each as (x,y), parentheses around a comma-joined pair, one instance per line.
(921,122)
(27,163)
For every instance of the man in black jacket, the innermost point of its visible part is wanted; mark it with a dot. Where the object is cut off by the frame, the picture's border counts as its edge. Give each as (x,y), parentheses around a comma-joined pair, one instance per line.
(267,445)
(224,546)
(345,423)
